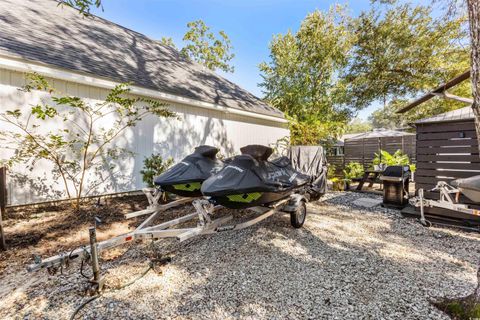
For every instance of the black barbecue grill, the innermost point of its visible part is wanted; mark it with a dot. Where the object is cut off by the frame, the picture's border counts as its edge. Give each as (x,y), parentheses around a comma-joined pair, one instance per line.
(395,186)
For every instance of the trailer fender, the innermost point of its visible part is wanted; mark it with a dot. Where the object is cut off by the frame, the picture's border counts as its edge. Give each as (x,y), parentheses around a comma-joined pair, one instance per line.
(295,201)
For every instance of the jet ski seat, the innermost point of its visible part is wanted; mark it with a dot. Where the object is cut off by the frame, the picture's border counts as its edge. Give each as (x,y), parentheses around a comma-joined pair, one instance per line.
(207,151)
(262,153)
(258,152)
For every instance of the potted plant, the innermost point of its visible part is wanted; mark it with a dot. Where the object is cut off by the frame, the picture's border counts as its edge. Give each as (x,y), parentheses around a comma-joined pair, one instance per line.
(384,159)
(353,170)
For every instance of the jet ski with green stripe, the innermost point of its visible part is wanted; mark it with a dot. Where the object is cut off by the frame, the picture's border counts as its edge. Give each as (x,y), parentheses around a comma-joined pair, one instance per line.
(186,177)
(250,180)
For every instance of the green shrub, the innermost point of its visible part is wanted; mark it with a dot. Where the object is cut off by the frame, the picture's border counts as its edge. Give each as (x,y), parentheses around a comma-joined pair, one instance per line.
(153,166)
(331,171)
(353,170)
(337,184)
(396,159)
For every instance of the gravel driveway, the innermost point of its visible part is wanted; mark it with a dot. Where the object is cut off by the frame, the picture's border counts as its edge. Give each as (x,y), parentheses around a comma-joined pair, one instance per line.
(346,263)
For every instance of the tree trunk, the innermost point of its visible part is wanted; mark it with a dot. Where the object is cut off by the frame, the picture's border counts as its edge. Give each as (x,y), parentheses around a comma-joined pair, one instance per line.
(474,21)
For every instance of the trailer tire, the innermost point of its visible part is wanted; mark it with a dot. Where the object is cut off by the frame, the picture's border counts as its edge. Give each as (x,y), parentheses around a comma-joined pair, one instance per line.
(297,218)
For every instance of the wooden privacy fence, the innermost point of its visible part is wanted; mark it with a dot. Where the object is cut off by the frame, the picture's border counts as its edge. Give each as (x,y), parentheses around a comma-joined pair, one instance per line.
(336,163)
(446,151)
(363,150)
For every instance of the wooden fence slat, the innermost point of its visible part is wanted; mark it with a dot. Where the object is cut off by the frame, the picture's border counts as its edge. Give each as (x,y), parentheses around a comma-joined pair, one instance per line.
(3,205)
(452,149)
(456,157)
(446,127)
(447,143)
(450,165)
(447,135)
(445,173)
(431,180)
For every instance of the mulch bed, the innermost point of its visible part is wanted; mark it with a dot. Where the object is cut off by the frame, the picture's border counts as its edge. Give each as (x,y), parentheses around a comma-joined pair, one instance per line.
(45,228)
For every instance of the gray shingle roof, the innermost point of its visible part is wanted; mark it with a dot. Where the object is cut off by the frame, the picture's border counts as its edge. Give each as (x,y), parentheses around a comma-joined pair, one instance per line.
(465,113)
(42,31)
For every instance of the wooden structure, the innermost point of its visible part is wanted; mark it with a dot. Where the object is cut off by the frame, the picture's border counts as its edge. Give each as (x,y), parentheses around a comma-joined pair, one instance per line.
(363,148)
(3,204)
(370,176)
(337,163)
(447,149)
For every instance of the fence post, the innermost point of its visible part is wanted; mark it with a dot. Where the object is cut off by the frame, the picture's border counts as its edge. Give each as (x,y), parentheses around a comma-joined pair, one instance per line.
(3,204)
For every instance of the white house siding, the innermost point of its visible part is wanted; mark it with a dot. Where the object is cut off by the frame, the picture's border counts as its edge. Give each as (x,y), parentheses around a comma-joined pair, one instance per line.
(168,137)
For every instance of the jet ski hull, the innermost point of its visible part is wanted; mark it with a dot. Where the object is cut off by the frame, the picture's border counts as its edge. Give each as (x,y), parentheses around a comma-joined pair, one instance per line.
(250,199)
(186,189)
(186,177)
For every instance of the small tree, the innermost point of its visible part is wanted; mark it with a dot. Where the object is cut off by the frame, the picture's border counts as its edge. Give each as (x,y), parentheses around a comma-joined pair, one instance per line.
(205,48)
(80,135)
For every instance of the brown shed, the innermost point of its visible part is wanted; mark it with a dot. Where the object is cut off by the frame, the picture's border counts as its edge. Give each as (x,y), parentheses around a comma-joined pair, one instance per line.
(447,149)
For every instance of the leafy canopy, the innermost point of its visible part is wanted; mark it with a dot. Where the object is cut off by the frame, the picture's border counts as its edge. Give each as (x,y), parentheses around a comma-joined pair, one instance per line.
(202,46)
(301,77)
(358,125)
(403,52)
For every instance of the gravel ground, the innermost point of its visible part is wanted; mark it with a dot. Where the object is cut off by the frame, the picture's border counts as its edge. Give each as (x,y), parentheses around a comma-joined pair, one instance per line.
(347,262)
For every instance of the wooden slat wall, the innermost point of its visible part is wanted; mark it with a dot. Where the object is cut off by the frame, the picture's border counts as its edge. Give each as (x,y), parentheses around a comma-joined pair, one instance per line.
(338,162)
(363,151)
(446,151)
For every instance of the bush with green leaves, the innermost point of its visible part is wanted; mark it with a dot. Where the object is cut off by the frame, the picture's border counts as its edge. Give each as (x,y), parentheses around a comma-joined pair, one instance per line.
(353,170)
(153,166)
(332,171)
(396,159)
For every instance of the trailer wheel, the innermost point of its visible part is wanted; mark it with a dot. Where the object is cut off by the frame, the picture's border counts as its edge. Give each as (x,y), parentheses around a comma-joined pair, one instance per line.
(297,218)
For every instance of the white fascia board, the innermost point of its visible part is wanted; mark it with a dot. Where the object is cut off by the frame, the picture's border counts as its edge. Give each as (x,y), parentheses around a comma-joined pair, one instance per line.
(66,75)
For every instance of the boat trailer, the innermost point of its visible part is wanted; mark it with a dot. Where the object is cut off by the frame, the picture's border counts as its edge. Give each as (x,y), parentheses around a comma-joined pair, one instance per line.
(295,204)
(446,201)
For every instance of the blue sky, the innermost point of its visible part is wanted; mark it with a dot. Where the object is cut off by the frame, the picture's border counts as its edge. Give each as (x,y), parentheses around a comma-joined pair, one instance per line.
(250,24)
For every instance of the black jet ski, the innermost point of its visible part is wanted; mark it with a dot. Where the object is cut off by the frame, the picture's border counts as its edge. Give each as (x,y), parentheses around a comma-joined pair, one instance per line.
(250,180)
(186,177)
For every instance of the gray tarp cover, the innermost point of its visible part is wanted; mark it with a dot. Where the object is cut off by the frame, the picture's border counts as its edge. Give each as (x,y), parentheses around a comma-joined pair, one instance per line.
(311,160)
